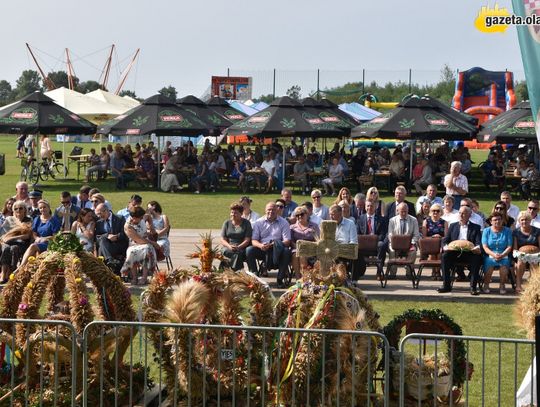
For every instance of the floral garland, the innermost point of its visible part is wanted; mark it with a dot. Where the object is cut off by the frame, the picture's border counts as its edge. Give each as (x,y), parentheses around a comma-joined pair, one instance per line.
(392,331)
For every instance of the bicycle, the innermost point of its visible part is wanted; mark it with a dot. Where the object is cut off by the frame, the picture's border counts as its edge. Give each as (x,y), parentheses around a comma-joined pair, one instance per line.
(53,169)
(29,171)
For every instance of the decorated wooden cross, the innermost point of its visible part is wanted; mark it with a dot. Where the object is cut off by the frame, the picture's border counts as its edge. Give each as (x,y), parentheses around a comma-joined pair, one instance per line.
(327,249)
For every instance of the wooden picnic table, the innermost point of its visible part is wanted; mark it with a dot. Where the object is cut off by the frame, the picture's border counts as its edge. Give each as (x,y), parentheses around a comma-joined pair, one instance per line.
(81,160)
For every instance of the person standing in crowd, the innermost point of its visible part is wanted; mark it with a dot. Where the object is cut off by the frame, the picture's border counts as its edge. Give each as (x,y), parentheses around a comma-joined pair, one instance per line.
(236,234)
(335,177)
(400,194)
(300,173)
(456,183)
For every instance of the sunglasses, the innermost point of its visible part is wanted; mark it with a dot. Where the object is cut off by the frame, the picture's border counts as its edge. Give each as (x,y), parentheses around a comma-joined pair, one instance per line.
(435,211)
(499,208)
(532,208)
(316,197)
(18,209)
(299,215)
(280,206)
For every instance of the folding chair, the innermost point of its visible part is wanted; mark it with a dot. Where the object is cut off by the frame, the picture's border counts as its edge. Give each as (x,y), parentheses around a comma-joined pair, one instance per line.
(428,246)
(401,245)
(368,248)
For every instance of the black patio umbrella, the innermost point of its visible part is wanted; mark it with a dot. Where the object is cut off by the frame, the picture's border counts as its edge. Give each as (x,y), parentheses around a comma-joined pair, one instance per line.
(456,114)
(157,114)
(208,115)
(332,107)
(221,106)
(416,119)
(37,113)
(330,115)
(284,117)
(513,126)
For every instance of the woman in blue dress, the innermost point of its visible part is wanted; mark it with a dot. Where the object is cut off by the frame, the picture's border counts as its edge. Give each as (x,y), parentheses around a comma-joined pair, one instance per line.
(44,227)
(497,243)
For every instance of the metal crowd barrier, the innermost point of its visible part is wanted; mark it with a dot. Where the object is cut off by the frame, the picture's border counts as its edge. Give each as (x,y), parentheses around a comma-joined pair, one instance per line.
(467,379)
(33,355)
(147,346)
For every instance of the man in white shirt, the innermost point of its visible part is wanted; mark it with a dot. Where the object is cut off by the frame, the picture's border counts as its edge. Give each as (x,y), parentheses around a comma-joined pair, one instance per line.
(532,208)
(346,229)
(474,218)
(431,194)
(511,210)
(269,167)
(456,183)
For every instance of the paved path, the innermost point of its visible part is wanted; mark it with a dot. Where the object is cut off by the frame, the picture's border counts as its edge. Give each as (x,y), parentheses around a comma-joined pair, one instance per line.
(183,241)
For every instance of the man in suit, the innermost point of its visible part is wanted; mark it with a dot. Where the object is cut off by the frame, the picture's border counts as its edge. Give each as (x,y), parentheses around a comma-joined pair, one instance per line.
(111,239)
(370,223)
(67,212)
(400,193)
(403,224)
(462,230)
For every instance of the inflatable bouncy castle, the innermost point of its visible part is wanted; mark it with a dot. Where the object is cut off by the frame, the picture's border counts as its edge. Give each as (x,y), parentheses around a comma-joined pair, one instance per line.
(484,94)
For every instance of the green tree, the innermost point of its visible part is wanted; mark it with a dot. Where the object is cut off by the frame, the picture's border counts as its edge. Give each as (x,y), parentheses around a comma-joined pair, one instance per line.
(265,98)
(169,92)
(522,92)
(60,79)
(88,86)
(129,93)
(294,92)
(28,82)
(6,93)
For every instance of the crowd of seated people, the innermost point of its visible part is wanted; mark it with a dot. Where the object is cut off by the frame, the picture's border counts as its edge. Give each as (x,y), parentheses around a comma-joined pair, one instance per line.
(131,240)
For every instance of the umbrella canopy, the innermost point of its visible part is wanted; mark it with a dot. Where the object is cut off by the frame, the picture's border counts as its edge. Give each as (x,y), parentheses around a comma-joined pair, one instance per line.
(208,115)
(329,115)
(456,114)
(157,114)
(37,113)
(284,117)
(513,126)
(332,107)
(417,119)
(221,106)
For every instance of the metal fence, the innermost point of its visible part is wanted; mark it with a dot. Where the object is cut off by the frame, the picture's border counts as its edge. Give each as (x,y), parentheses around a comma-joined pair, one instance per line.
(278,81)
(123,363)
(33,357)
(463,370)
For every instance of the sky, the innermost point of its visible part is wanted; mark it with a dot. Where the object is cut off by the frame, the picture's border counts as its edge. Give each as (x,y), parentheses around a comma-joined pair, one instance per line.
(184,43)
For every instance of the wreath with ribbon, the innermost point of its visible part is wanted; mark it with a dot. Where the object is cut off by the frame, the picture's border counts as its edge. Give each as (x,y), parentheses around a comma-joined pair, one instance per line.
(456,347)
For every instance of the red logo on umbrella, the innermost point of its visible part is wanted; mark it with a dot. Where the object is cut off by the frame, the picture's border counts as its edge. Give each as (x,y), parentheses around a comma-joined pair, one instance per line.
(521,125)
(235,116)
(315,121)
(331,119)
(258,119)
(438,122)
(22,115)
(133,131)
(172,118)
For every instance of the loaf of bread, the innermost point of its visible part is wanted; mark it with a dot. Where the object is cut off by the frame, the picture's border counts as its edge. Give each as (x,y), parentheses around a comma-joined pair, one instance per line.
(461,245)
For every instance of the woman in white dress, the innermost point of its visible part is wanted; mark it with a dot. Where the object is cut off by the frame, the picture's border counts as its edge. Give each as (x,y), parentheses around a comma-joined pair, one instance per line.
(142,250)
(84,228)
(161,225)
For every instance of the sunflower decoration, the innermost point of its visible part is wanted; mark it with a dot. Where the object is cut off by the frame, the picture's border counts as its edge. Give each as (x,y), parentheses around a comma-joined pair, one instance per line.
(45,278)
(223,364)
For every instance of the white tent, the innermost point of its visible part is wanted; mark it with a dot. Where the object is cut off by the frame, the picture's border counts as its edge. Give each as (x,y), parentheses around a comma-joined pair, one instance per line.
(111,98)
(90,108)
